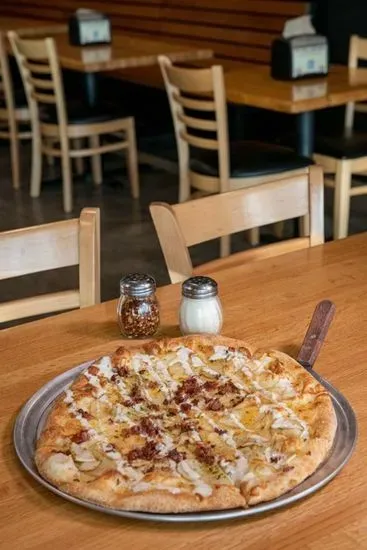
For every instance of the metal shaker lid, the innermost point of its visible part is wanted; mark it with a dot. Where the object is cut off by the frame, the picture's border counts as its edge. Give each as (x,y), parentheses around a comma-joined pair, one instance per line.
(137,284)
(199,287)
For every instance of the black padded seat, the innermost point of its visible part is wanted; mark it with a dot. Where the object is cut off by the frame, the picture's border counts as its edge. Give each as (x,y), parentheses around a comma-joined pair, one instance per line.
(79,113)
(249,159)
(342,145)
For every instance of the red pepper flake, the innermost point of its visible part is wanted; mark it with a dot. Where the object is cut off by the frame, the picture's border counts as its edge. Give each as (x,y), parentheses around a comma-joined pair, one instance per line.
(80,437)
(287,468)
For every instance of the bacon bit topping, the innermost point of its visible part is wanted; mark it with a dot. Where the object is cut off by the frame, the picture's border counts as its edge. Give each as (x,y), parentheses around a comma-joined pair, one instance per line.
(135,394)
(185,407)
(227,387)
(214,405)
(148,452)
(85,414)
(80,437)
(114,378)
(220,431)
(210,385)
(122,371)
(93,370)
(276,367)
(204,454)
(186,426)
(148,427)
(134,430)
(189,387)
(287,468)
(175,455)
(127,403)
(153,407)
(152,384)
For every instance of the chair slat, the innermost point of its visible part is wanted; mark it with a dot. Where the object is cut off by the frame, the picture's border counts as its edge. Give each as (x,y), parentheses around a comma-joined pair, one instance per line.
(200,142)
(197,123)
(43,98)
(195,104)
(39,305)
(37,68)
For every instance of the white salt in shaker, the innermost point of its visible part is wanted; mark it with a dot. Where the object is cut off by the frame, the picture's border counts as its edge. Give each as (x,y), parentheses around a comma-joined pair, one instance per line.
(200,309)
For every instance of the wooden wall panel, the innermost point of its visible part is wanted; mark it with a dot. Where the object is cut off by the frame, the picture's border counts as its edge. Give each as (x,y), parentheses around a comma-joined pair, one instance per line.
(240,30)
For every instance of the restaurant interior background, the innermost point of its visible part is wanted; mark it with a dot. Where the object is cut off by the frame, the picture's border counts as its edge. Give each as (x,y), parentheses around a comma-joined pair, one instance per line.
(128,241)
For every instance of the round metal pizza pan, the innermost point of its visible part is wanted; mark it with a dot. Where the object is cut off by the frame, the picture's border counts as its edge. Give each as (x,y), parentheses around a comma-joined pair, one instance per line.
(31,419)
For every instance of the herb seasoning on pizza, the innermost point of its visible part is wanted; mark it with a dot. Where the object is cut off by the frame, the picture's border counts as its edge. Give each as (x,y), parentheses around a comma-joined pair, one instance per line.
(189,424)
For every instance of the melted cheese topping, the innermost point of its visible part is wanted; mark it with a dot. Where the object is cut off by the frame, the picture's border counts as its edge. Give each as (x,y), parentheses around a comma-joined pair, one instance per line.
(180,423)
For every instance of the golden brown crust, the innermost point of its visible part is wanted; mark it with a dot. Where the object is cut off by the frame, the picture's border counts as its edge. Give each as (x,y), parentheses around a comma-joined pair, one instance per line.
(109,487)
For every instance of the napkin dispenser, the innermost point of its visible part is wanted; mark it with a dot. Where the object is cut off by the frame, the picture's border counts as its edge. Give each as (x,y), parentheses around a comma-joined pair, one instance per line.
(299,57)
(89,27)
(299,52)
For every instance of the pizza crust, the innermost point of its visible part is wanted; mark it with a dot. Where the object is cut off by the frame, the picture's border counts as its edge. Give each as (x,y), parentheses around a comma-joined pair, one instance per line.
(110,488)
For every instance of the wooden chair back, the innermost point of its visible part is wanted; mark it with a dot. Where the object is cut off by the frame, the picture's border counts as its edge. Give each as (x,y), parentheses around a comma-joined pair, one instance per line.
(185,224)
(198,104)
(52,246)
(6,85)
(357,52)
(41,74)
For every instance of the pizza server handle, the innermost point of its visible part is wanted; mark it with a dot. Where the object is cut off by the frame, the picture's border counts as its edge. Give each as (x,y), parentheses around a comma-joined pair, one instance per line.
(316,333)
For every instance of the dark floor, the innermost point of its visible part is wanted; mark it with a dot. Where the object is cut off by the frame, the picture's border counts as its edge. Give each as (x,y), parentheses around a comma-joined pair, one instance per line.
(128,238)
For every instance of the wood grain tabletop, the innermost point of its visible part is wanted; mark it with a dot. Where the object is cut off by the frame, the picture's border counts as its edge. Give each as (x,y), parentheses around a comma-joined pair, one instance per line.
(124,52)
(268,303)
(252,85)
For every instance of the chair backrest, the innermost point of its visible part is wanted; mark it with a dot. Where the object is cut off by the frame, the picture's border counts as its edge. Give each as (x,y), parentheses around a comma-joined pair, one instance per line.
(198,104)
(357,52)
(6,84)
(185,224)
(52,246)
(40,70)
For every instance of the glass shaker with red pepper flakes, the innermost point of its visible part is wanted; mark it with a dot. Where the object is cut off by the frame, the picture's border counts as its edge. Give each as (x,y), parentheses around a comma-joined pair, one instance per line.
(138,309)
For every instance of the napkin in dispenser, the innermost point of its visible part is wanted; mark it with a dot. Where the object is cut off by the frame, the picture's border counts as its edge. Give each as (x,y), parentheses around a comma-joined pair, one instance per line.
(299,52)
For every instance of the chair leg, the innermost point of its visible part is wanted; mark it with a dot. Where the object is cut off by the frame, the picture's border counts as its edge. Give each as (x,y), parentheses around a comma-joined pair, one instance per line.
(132,160)
(79,162)
(225,246)
(96,161)
(278,230)
(14,154)
(253,236)
(49,158)
(342,199)
(67,183)
(304,226)
(36,171)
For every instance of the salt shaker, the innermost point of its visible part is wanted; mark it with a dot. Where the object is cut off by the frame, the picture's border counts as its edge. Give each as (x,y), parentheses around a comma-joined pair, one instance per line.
(137,309)
(200,309)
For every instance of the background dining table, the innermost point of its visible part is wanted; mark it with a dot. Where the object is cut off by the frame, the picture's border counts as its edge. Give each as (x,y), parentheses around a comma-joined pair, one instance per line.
(267,303)
(123,53)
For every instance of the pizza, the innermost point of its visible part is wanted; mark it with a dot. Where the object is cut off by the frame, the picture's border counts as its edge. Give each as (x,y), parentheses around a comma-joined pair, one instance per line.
(187,424)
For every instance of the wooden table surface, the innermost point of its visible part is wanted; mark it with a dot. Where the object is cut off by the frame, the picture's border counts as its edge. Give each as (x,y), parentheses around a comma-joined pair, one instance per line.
(124,52)
(268,303)
(252,85)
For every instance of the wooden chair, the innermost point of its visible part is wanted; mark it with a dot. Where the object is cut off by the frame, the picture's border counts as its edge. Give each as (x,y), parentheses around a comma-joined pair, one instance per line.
(51,246)
(345,153)
(208,163)
(14,114)
(53,122)
(186,224)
